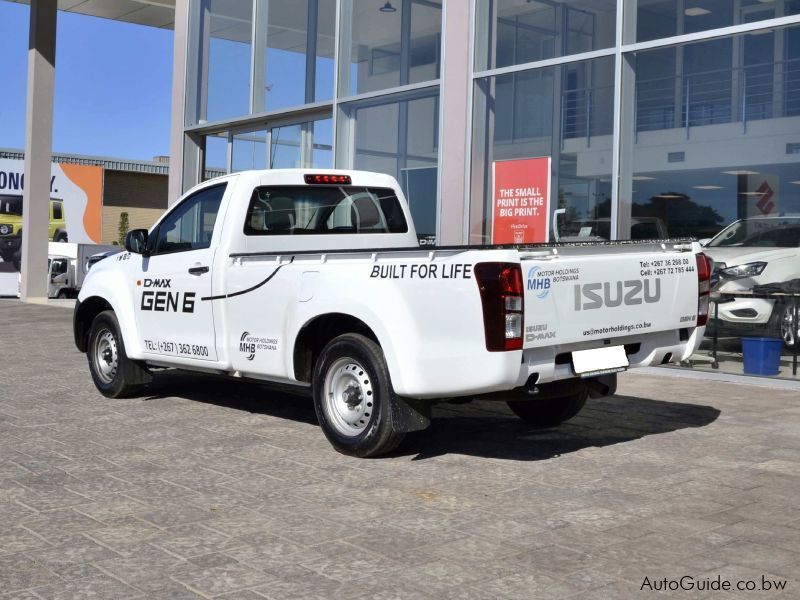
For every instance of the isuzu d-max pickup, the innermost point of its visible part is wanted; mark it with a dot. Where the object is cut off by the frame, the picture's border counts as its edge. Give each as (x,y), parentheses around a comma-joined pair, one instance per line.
(316,279)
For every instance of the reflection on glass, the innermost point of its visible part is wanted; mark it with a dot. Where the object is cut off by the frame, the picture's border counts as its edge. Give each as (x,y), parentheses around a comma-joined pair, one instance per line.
(390,48)
(656,19)
(716,132)
(322,144)
(226,35)
(531,30)
(285,152)
(298,65)
(400,139)
(560,112)
(215,157)
(249,151)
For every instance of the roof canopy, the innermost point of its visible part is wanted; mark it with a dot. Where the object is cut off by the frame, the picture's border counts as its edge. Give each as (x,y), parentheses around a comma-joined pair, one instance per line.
(155,13)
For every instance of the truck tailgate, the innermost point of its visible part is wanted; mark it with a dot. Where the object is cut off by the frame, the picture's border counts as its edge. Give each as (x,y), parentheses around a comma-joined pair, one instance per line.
(586,297)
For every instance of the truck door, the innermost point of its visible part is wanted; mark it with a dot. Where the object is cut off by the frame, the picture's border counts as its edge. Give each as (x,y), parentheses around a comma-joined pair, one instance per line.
(174,320)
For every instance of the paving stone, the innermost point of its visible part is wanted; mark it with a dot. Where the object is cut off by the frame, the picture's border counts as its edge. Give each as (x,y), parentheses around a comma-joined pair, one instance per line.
(100,588)
(208,487)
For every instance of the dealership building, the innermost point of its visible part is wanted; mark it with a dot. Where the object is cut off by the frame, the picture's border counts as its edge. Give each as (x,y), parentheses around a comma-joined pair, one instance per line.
(684,113)
(656,117)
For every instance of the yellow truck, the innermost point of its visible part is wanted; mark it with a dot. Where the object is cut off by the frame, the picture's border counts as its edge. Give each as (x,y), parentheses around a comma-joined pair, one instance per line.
(11,227)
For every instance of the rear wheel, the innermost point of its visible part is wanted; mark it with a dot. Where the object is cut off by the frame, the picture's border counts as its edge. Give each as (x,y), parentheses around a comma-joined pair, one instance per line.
(114,374)
(789,329)
(353,397)
(549,412)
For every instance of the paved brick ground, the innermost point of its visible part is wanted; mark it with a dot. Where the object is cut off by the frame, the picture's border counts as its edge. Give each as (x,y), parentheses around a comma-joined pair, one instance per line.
(208,488)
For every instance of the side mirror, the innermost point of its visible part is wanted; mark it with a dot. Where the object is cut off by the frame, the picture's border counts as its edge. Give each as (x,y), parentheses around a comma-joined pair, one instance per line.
(136,241)
(704,242)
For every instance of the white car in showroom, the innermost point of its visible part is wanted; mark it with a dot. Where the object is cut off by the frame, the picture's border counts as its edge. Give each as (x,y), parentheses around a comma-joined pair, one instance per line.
(756,251)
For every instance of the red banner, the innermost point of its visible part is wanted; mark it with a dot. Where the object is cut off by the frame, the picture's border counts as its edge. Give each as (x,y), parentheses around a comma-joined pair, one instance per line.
(521,213)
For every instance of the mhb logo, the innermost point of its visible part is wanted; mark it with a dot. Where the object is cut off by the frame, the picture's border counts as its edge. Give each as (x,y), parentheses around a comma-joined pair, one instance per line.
(538,283)
(246,346)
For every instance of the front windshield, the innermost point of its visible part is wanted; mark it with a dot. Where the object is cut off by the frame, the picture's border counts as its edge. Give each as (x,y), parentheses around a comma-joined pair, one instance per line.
(781,232)
(11,205)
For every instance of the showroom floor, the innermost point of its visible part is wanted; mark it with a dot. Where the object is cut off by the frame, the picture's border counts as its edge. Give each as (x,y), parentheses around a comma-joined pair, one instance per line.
(205,487)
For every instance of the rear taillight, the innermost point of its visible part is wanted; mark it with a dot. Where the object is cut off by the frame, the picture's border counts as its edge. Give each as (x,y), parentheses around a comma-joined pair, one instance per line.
(703,288)
(501,289)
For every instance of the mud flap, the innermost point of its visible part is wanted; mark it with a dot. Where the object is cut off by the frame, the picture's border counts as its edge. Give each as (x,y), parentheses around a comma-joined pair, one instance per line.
(409,414)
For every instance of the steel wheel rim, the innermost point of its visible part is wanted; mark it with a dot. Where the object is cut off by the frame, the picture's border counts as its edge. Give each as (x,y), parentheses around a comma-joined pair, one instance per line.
(106,356)
(348,396)
(788,332)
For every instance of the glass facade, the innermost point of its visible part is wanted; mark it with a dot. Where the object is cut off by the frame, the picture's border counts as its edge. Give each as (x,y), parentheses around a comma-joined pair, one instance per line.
(656,118)
(525,31)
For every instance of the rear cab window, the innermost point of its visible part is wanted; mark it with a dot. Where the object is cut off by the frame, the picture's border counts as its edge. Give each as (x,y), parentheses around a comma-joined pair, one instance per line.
(308,209)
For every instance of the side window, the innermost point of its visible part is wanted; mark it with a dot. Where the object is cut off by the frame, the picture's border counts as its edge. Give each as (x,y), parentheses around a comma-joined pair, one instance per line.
(191,225)
(57,211)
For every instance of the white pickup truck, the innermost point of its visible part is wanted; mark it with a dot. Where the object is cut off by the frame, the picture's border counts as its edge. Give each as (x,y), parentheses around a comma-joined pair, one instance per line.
(317,280)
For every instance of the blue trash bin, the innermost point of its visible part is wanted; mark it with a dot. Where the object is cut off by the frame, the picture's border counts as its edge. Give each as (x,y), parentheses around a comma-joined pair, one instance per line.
(762,356)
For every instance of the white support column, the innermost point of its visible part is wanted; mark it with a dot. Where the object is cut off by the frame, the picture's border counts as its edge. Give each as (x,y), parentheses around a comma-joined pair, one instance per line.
(455,89)
(177,120)
(38,149)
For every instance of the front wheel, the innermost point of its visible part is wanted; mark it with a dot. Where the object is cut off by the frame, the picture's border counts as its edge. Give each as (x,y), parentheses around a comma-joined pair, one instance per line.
(114,374)
(550,412)
(353,397)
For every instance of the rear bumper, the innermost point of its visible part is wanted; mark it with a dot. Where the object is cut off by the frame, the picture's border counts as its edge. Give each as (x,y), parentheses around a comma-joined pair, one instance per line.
(553,363)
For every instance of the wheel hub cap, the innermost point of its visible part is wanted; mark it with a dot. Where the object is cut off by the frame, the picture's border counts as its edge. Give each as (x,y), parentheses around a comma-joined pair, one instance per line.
(106,358)
(348,396)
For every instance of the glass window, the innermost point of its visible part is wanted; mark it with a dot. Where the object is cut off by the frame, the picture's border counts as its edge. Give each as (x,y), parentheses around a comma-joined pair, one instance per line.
(298,65)
(215,156)
(224,50)
(391,44)
(561,113)
(656,19)
(58,211)
(249,151)
(401,139)
(286,151)
(716,133)
(513,32)
(294,210)
(322,144)
(191,225)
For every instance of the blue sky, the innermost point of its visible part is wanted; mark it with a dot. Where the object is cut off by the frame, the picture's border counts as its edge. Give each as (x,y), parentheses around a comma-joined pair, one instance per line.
(113,85)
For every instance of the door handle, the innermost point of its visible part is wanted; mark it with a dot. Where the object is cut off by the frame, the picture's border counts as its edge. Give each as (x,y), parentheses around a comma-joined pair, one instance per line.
(198,270)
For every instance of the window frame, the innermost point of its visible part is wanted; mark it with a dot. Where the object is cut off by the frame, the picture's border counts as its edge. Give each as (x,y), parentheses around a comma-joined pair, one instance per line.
(249,232)
(152,237)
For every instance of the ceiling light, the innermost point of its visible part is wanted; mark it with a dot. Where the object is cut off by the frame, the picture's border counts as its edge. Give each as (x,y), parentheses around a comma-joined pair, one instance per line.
(742,172)
(670,196)
(642,178)
(795,182)
(696,11)
(752,193)
(708,187)
(387,8)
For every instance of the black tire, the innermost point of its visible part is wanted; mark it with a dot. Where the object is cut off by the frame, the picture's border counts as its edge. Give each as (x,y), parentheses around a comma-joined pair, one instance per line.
(105,337)
(60,236)
(371,432)
(549,412)
(62,294)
